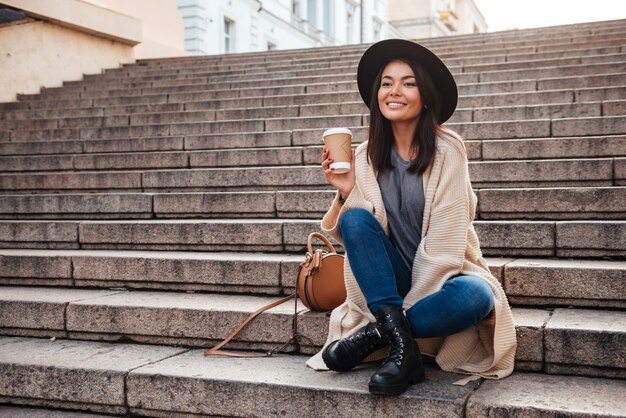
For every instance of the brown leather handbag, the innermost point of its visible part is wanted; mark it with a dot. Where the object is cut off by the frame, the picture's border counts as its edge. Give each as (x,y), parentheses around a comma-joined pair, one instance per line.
(319,286)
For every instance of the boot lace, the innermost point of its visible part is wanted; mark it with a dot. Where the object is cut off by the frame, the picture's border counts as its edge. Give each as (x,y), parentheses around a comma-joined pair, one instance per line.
(396,344)
(365,341)
(396,348)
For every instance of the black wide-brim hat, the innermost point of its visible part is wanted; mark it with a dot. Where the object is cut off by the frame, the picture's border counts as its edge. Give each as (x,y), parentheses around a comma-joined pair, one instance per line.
(382,52)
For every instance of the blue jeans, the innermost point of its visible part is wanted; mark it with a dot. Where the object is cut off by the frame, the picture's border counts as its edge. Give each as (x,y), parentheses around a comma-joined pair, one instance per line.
(384,279)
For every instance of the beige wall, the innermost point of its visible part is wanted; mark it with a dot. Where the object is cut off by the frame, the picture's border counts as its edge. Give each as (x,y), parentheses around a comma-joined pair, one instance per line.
(64,39)
(42,54)
(162,26)
(83,16)
(419,19)
(410,9)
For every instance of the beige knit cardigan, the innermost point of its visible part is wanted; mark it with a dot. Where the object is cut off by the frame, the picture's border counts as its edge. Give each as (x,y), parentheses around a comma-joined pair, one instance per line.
(449,246)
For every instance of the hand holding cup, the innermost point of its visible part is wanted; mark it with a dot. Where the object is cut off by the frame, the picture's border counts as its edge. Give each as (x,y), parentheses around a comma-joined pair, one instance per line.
(338,160)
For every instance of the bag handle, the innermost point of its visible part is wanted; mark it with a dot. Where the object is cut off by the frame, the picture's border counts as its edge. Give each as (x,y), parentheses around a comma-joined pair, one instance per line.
(309,242)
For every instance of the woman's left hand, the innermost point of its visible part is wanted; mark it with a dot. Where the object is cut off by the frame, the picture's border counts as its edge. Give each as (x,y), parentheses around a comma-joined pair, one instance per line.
(343,182)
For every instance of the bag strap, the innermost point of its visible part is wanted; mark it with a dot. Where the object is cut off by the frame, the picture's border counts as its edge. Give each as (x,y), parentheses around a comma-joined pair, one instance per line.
(315,259)
(216,350)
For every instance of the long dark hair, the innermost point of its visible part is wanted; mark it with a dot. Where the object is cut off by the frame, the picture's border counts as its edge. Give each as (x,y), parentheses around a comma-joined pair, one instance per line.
(380,134)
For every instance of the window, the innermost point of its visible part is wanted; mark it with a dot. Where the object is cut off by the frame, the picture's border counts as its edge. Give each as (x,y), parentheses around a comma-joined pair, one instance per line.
(327,17)
(379,7)
(377,30)
(295,7)
(229,26)
(351,11)
(312,12)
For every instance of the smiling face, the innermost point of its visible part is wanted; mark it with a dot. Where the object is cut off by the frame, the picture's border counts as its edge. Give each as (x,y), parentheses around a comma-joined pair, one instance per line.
(399,98)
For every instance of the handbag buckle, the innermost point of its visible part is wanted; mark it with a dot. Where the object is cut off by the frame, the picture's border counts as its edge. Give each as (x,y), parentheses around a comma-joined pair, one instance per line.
(312,262)
(317,259)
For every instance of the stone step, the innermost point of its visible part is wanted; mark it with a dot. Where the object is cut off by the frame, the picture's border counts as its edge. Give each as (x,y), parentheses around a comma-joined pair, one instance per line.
(448,45)
(597,84)
(324,65)
(247,273)
(543,111)
(452,46)
(136,160)
(204,151)
(72,374)
(533,108)
(583,203)
(590,125)
(603,238)
(312,73)
(205,101)
(550,72)
(300,60)
(553,203)
(324,79)
(476,114)
(345,73)
(274,80)
(175,318)
(590,172)
(527,281)
(308,103)
(505,132)
(491,149)
(169,143)
(27,412)
(567,283)
(603,125)
(497,54)
(162,381)
(595,54)
(567,33)
(464,55)
(348,65)
(531,149)
(52,113)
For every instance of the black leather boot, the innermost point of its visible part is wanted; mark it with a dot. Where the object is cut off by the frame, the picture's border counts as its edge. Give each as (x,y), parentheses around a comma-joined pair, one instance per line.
(342,355)
(403,365)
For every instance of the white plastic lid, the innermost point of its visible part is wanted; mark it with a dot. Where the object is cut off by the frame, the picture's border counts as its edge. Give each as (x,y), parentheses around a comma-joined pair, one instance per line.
(333,131)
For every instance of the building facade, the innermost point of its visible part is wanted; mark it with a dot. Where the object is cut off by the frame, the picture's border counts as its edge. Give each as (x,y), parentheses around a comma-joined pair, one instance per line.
(235,26)
(418,19)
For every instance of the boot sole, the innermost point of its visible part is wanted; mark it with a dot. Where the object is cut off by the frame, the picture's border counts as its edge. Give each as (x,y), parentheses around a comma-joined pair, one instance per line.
(397,389)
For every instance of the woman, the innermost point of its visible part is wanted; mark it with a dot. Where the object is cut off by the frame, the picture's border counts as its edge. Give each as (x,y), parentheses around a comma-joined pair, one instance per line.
(414,272)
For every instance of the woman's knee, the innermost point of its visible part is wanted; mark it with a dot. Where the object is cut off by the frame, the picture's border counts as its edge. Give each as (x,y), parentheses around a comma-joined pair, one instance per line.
(482,294)
(355,222)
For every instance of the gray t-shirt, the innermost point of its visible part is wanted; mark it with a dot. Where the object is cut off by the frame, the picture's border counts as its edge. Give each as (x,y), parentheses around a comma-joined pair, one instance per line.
(403,196)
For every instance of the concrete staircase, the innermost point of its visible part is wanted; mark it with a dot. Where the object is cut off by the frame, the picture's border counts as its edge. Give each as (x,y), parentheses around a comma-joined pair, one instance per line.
(146,211)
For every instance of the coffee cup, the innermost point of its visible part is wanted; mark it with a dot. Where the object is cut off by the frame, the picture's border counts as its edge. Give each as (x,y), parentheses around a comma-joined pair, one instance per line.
(338,142)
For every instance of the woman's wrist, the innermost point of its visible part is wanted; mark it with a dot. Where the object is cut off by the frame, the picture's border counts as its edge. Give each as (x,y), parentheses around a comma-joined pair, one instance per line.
(343,195)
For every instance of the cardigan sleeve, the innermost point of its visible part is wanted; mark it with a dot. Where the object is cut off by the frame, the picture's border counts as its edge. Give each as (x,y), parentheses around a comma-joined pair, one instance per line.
(356,198)
(330,221)
(441,252)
